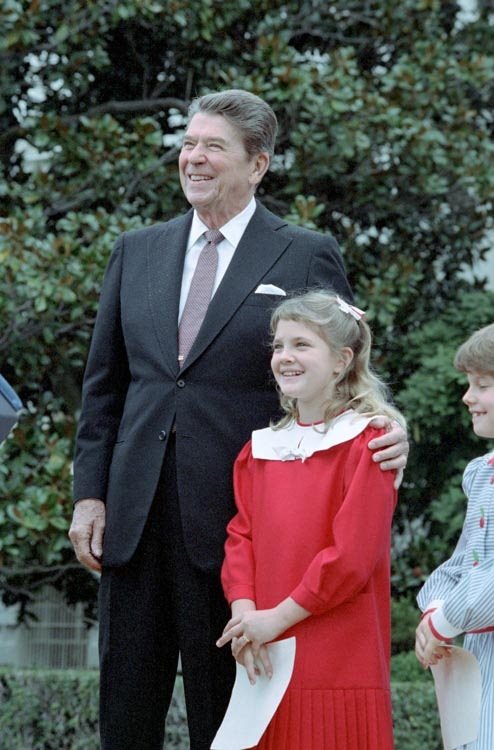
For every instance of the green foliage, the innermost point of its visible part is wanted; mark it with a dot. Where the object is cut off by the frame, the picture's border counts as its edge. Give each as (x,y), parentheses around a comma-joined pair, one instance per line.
(415,717)
(50,284)
(57,710)
(404,616)
(405,667)
(42,710)
(443,442)
(385,141)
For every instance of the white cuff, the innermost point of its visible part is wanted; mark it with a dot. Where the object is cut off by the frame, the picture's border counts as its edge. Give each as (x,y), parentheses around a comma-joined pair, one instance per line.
(442,626)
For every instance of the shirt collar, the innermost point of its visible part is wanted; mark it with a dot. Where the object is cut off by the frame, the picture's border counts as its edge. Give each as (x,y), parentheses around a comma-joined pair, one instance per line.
(294,441)
(231,231)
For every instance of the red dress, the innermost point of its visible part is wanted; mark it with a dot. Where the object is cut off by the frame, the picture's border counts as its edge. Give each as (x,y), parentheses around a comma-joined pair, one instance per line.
(319,530)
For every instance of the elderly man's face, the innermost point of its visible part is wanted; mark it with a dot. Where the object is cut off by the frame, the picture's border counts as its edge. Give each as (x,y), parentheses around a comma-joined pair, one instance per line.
(216,174)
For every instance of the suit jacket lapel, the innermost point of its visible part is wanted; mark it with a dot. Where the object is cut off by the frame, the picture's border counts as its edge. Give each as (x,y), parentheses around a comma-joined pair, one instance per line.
(165,261)
(259,248)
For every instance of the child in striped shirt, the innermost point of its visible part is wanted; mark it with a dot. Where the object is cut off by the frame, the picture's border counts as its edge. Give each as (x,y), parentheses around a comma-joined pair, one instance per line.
(458,597)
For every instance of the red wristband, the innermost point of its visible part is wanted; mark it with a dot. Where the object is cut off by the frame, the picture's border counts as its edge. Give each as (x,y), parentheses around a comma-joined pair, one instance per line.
(427,612)
(436,634)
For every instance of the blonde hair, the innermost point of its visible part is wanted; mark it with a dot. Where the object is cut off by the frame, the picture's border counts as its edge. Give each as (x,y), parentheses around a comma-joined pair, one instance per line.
(357,386)
(476,354)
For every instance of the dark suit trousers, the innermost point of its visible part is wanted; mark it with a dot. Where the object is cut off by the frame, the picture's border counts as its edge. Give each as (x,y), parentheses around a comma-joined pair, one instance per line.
(157,606)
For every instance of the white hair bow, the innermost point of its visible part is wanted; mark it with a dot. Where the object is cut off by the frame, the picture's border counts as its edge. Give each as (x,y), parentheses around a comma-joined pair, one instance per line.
(355,312)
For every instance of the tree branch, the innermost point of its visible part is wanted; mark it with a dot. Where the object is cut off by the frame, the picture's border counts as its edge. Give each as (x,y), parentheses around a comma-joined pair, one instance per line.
(71,204)
(29,570)
(111,107)
(130,107)
(167,158)
(46,575)
(14,332)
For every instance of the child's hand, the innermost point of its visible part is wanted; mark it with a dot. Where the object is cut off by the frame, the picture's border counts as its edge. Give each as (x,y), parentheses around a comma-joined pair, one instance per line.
(254,666)
(249,629)
(254,626)
(248,632)
(429,649)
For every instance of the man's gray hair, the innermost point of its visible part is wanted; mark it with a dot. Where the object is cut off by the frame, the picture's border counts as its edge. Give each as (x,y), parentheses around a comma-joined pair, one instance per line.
(250,114)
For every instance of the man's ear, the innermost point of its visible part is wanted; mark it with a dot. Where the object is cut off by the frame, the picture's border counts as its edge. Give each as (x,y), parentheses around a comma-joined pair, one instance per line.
(260,165)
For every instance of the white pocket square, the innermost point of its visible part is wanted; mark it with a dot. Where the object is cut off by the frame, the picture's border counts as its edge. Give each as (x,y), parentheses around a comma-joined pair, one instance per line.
(270,289)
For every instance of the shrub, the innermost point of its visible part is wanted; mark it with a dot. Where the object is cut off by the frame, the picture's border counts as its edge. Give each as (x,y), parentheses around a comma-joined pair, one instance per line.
(58,710)
(44,710)
(405,617)
(406,668)
(416,722)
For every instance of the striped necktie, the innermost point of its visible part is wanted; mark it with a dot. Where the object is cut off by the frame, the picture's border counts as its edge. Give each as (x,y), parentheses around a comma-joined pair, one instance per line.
(200,293)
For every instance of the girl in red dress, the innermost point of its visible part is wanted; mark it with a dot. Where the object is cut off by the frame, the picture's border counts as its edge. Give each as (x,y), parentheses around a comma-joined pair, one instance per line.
(308,553)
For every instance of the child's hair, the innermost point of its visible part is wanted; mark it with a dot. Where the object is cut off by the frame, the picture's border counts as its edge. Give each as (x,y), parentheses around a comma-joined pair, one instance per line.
(357,387)
(476,354)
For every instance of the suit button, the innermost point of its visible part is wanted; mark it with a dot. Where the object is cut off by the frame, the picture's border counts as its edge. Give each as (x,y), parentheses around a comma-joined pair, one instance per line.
(180,383)
(162,435)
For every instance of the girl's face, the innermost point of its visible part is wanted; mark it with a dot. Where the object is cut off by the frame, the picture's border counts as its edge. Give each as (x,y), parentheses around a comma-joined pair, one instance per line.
(305,368)
(479,399)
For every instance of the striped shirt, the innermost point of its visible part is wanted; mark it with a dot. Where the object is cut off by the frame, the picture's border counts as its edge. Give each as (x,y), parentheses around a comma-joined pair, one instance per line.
(461,590)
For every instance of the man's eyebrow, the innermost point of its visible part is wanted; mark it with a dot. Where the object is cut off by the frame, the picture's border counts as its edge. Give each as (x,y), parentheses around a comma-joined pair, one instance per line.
(216,139)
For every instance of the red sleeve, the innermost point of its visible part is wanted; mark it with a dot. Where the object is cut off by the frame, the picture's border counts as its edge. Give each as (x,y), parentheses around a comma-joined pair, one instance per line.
(237,573)
(361,532)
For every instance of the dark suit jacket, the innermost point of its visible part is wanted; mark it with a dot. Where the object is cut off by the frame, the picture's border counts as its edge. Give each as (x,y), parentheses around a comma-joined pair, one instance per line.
(134,391)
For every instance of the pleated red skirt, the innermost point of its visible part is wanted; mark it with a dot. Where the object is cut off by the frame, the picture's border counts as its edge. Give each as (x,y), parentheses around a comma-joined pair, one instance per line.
(358,719)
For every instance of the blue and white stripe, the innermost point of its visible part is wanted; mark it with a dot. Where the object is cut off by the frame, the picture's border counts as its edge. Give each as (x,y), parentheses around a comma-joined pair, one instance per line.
(465,586)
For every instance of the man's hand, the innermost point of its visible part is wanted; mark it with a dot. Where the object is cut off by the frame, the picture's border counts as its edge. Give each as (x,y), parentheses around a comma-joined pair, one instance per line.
(395,444)
(86,532)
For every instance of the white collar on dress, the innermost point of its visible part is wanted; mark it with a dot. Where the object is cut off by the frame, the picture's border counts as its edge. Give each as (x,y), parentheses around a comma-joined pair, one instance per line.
(299,441)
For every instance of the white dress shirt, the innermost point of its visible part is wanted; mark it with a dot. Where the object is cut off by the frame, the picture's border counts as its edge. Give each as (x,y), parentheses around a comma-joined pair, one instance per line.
(232,232)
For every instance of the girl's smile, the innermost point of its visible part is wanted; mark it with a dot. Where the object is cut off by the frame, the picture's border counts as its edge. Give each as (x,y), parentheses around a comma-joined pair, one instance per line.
(305,367)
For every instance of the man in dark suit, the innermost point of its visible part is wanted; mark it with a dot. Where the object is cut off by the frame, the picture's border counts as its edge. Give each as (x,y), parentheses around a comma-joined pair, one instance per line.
(159,430)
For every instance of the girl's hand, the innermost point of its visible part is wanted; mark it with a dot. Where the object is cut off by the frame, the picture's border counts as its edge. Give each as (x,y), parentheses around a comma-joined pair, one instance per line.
(248,633)
(242,650)
(250,629)
(255,626)
(254,666)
